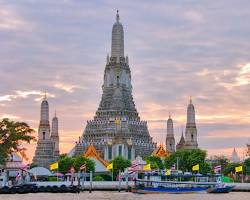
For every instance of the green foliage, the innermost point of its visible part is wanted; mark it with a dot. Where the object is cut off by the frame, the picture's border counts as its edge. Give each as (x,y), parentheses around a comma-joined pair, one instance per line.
(155,162)
(230,168)
(106,177)
(189,158)
(219,160)
(246,166)
(52,179)
(12,136)
(98,178)
(78,161)
(119,163)
(62,155)
(65,163)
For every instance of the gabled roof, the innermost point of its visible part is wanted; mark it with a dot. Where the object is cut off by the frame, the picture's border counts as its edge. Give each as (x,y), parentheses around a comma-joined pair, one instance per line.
(160,152)
(91,152)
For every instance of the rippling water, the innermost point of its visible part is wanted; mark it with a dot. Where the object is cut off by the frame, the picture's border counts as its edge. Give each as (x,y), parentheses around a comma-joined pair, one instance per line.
(127,196)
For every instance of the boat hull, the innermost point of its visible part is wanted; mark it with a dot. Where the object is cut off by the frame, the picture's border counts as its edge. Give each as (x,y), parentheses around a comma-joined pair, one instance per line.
(170,190)
(225,189)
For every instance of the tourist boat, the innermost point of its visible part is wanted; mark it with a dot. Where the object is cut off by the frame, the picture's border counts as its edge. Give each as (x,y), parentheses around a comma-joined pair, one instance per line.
(142,186)
(220,188)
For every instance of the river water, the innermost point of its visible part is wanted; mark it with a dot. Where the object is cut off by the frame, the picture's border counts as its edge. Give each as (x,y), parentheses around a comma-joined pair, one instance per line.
(96,195)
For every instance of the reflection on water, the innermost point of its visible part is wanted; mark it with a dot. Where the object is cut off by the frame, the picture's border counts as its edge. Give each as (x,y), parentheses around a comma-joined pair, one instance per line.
(96,195)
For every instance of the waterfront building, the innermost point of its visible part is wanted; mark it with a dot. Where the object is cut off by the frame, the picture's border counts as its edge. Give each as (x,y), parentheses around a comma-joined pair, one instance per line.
(116,129)
(47,149)
(170,140)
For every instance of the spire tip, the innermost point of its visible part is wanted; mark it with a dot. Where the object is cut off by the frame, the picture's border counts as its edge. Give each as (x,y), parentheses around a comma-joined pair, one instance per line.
(117,15)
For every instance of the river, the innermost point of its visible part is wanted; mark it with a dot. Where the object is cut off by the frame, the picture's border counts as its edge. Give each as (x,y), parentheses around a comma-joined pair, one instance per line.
(97,195)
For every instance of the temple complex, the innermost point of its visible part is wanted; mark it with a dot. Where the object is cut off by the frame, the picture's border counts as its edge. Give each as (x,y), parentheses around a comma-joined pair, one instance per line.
(116,129)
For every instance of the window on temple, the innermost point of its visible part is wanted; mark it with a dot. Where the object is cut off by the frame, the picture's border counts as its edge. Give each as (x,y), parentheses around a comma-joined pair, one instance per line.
(192,136)
(120,150)
(43,135)
(110,152)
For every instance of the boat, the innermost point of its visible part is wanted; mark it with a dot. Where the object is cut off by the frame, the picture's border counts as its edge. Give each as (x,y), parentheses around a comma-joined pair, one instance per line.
(142,186)
(221,188)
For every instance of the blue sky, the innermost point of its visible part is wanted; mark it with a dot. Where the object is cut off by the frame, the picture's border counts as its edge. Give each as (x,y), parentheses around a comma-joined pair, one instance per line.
(175,48)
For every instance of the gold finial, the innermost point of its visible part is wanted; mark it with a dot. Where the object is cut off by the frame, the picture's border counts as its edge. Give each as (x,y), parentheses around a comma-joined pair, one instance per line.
(169,114)
(55,113)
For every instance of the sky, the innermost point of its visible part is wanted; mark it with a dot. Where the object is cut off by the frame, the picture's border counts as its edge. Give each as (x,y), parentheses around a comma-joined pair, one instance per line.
(176,49)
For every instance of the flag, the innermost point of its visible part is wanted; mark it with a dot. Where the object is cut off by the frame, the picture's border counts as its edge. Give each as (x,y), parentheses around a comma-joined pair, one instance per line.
(238,169)
(196,167)
(217,169)
(54,166)
(147,167)
(83,167)
(117,121)
(110,166)
(173,167)
(168,172)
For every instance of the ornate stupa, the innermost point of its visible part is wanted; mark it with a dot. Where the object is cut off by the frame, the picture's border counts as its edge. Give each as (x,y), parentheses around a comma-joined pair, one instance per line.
(116,129)
(170,140)
(47,149)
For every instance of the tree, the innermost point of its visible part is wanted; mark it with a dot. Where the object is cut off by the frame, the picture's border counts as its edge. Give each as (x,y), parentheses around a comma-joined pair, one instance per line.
(65,163)
(219,160)
(78,161)
(246,167)
(230,168)
(155,162)
(187,159)
(12,136)
(119,163)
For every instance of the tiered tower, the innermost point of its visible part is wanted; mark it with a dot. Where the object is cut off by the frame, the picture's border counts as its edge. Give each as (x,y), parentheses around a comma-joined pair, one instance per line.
(170,141)
(55,136)
(45,152)
(117,122)
(191,130)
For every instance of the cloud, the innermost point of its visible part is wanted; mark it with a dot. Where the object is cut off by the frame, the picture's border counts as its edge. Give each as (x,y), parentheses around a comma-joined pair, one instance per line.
(24,94)
(10,20)
(66,87)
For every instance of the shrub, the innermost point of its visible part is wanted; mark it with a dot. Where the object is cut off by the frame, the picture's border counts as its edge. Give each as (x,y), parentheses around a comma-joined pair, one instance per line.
(98,178)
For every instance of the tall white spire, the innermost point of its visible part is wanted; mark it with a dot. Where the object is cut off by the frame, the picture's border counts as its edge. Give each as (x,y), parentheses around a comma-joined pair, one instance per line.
(44,114)
(190,112)
(54,125)
(117,46)
(170,140)
(170,126)
(191,130)
(55,135)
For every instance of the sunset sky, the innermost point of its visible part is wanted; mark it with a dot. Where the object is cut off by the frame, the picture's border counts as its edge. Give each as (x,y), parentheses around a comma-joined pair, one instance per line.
(176,49)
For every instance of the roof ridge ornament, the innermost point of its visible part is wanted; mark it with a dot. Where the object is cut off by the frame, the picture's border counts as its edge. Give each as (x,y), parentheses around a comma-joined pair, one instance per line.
(117,16)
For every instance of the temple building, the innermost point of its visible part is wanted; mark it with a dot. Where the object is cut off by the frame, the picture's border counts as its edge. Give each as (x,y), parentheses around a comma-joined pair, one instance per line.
(190,140)
(170,140)
(116,129)
(47,149)
(234,157)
